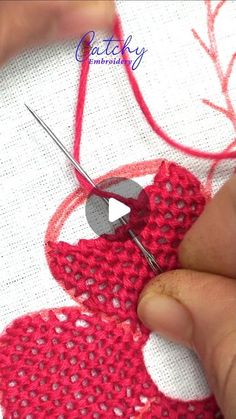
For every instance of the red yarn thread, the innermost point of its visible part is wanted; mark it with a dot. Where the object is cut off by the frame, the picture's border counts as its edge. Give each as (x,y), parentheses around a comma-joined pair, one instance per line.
(87,362)
(107,277)
(69,362)
(144,108)
(78,134)
(156,128)
(116,268)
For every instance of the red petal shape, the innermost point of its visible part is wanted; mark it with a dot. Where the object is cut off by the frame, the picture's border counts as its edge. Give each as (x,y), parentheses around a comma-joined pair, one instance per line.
(64,364)
(109,275)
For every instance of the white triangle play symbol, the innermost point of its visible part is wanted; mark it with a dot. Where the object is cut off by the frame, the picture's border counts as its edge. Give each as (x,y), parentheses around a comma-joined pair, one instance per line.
(117,210)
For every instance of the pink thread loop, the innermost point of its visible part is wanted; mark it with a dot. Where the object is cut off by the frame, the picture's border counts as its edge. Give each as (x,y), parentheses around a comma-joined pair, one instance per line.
(156,128)
(78,133)
(144,108)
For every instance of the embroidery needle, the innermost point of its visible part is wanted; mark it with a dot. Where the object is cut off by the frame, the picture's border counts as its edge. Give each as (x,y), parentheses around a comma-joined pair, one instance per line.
(148,256)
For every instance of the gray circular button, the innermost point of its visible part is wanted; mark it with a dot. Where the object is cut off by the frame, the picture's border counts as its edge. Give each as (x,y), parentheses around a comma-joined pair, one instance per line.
(106,217)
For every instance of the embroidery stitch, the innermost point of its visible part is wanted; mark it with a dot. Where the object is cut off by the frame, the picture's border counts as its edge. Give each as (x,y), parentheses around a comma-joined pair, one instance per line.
(106,328)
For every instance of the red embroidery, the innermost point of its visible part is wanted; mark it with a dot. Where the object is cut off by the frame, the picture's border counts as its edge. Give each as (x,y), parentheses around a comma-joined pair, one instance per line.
(109,275)
(87,361)
(67,365)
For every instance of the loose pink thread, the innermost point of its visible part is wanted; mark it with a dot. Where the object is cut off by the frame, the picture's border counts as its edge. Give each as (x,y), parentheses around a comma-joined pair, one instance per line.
(64,363)
(224,78)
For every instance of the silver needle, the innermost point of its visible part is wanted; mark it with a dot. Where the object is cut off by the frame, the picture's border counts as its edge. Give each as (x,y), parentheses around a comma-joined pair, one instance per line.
(148,256)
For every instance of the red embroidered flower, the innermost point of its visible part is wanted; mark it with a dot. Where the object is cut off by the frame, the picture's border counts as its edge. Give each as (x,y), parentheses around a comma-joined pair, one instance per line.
(87,361)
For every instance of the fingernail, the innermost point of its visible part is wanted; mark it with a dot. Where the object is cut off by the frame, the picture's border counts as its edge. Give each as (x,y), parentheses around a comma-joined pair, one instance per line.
(165,315)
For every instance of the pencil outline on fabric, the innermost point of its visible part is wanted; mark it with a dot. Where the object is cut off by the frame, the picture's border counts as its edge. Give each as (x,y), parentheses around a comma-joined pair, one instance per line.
(148,255)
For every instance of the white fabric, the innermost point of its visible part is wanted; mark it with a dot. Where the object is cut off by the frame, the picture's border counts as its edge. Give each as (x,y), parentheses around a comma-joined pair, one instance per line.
(174,75)
(172,367)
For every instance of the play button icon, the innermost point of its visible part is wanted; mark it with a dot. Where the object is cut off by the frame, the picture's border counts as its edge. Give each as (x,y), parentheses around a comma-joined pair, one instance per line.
(105,217)
(116,210)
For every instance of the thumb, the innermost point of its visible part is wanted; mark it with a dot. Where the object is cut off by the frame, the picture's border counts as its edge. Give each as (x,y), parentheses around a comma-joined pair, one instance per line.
(26,23)
(198,310)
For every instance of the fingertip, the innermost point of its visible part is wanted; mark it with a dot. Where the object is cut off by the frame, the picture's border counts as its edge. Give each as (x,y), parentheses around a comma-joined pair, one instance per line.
(167,316)
(209,244)
(25,24)
(84,16)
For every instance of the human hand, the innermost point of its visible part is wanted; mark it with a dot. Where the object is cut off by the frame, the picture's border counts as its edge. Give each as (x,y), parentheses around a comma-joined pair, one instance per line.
(26,23)
(196,308)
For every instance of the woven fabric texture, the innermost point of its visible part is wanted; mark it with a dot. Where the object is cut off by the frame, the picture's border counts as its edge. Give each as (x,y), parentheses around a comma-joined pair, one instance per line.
(99,355)
(103,374)
(175,75)
(109,274)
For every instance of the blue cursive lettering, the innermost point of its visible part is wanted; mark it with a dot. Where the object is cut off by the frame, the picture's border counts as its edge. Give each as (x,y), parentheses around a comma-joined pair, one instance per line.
(84,43)
(110,47)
